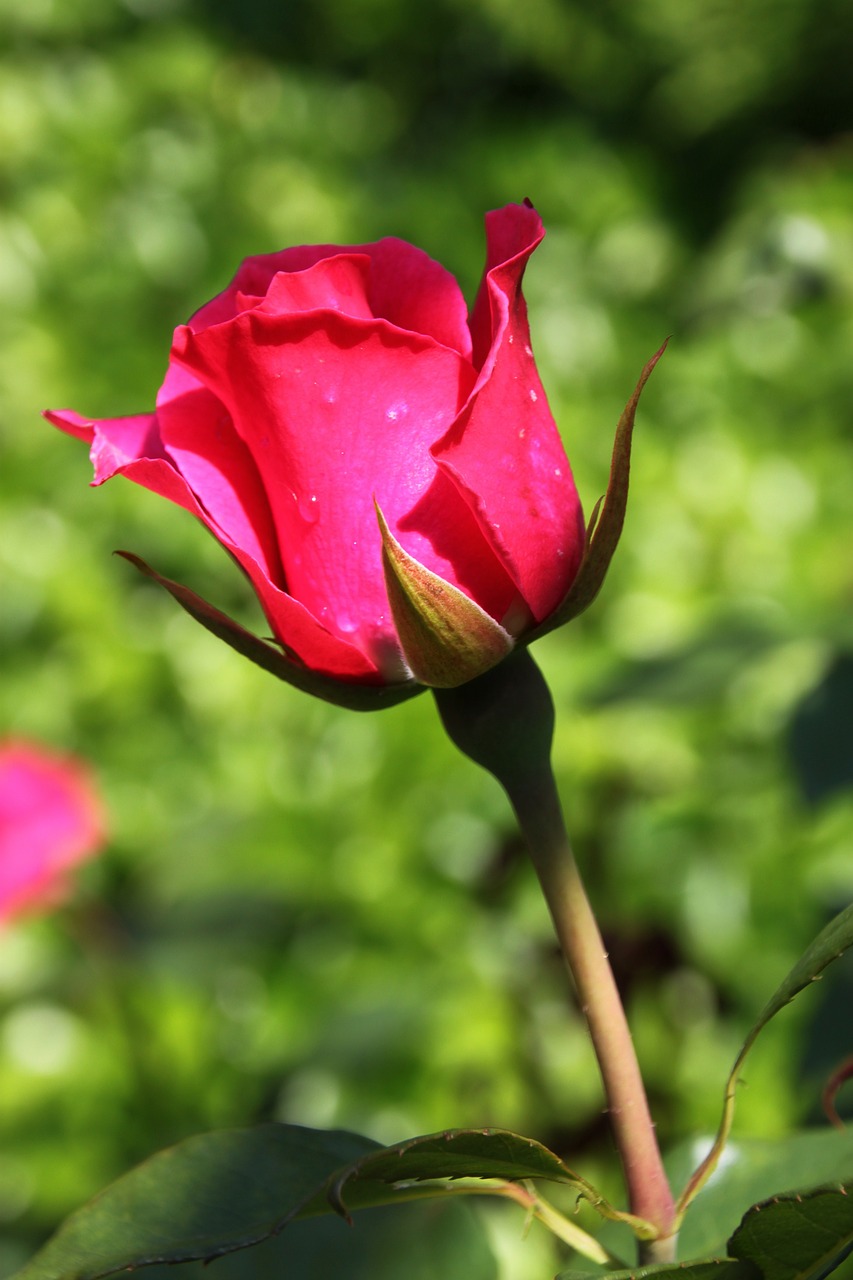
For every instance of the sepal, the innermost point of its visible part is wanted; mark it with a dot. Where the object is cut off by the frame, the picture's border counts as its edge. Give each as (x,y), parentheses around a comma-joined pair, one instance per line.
(447,639)
(347,694)
(608,517)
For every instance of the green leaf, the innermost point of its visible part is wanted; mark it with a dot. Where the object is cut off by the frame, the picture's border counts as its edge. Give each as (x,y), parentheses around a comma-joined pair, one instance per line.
(800,1236)
(202,1198)
(829,945)
(221,1192)
(452,1243)
(797,1237)
(707,1269)
(752,1170)
(466,1162)
(456,1153)
(343,693)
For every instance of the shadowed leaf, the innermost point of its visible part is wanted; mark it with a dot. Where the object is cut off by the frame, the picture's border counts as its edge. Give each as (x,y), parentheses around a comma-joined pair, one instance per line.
(225,1191)
(202,1198)
(708,1269)
(797,1237)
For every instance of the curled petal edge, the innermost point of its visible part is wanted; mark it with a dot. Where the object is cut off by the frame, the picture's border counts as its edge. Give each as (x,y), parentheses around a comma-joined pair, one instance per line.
(346,694)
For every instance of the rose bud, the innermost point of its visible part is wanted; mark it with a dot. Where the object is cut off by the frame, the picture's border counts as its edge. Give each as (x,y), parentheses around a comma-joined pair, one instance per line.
(51,818)
(327,384)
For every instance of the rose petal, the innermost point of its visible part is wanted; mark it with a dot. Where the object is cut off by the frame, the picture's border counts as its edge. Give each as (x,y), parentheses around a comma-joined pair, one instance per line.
(407,287)
(441,529)
(200,439)
(114,441)
(504,452)
(291,623)
(336,412)
(340,284)
(411,290)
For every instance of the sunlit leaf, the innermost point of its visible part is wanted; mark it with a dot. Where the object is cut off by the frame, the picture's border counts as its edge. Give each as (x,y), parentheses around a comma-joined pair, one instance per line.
(753,1170)
(829,945)
(456,1153)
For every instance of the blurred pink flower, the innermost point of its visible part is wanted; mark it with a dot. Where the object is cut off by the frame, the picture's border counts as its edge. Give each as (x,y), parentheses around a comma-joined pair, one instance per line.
(51,818)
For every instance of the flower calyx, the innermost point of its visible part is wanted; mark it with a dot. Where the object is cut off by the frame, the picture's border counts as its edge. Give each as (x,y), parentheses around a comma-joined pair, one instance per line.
(446,638)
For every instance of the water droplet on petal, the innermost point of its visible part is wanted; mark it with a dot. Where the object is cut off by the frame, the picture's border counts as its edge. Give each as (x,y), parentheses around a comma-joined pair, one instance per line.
(396,411)
(308,508)
(533,395)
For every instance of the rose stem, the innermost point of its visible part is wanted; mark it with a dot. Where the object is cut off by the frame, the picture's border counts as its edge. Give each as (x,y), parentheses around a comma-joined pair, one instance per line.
(504,721)
(537,808)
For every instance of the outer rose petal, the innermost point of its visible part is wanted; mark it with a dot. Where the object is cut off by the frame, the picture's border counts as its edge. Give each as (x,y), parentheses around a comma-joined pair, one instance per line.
(50,819)
(291,622)
(114,441)
(199,438)
(504,452)
(336,412)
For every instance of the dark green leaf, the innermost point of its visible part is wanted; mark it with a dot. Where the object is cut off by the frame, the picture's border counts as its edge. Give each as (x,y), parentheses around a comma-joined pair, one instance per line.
(708,1269)
(797,1237)
(829,945)
(451,1243)
(354,697)
(226,1191)
(204,1197)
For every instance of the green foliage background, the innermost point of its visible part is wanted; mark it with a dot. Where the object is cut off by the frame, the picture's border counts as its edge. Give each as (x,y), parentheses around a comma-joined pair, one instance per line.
(327,918)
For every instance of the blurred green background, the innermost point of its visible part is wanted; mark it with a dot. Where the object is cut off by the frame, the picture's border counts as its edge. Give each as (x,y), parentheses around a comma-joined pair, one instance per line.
(326,918)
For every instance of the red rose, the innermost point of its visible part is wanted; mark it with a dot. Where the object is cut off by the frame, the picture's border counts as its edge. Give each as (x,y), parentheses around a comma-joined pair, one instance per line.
(325,379)
(50,819)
